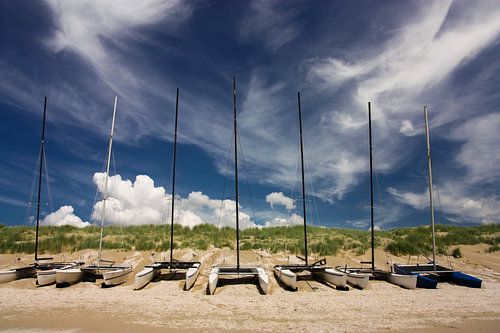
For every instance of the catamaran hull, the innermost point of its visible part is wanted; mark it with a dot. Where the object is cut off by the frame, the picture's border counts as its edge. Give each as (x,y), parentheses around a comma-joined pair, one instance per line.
(46,277)
(68,276)
(17,273)
(116,277)
(8,275)
(286,277)
(465,280)
(332,276)
(422,281)
(191,275)
(263,279)
(359,280)
(403,280)
(213,279)
(144,277)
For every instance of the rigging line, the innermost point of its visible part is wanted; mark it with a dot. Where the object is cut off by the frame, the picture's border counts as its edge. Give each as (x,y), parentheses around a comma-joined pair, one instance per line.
(290,212)
(114,189)
(245,171)
(49,192)
(314,202)
(47,182)
(28,206)
(379,195)
(225,180)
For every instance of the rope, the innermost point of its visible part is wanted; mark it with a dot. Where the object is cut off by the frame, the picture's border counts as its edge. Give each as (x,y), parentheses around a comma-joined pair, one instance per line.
(225,180)
(245,172)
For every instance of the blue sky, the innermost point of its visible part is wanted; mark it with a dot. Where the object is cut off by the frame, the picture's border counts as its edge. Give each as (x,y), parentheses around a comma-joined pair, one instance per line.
(400,55)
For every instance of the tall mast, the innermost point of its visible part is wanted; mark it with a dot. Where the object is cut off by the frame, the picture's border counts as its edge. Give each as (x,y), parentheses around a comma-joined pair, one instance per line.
(42,143)
(236,177)
(106,182)
(303,182)
(173,180)
(371,182)
(429,162)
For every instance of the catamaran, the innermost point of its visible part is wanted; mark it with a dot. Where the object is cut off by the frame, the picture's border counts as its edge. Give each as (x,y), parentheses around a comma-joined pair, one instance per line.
(359,276)
(192,268)
(428,275)
(43,268)
(112,273)
(287,274)
(237,271)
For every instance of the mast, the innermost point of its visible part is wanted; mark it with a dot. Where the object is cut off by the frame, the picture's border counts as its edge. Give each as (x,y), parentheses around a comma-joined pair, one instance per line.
(371,182)
(303,182)
(106,182)
(236,177)
(42,143)
(429,162)
(173,180)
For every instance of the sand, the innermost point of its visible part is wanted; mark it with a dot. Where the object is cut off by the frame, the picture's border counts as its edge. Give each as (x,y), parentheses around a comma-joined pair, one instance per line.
(316,307)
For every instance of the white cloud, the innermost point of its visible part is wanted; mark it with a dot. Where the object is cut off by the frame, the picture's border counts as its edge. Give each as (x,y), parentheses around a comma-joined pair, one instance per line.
(278,198)
(453,199)
(141,202)
(96,29)
(407,128)
(293,219)
(270,21)
(64,216)
(419,56)
(480,153)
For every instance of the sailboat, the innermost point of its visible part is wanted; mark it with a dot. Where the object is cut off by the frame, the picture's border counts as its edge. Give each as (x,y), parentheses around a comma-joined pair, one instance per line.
(192,268)
(358,276)
(237,271)
(287,274)
(43,268)
(428,275)
(112,273)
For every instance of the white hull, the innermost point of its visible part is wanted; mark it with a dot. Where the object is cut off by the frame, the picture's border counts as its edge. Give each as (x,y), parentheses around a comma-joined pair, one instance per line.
(402,280)
(117,276)
(68,275)
(263,279)
(46,277)
(332,276)
(8,275)
(359,280)
(286,276)
(213,278)
(144,277)
(191,275)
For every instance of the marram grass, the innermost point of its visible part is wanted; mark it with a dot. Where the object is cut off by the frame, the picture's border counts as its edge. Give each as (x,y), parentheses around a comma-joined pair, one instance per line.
(323,241)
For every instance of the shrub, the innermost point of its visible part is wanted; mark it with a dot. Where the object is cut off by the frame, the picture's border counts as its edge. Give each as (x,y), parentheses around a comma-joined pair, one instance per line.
(456,253)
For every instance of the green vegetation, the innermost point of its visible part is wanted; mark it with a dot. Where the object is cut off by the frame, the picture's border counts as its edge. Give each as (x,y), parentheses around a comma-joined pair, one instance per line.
(322,241)
(456,253)
(493,248)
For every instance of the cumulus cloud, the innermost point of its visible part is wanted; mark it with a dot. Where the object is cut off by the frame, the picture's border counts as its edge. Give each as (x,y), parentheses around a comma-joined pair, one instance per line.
(278,198)
(293,219)
(141,202)
(64,216)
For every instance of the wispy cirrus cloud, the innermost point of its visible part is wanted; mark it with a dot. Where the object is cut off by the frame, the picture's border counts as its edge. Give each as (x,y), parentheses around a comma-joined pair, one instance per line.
(271,22)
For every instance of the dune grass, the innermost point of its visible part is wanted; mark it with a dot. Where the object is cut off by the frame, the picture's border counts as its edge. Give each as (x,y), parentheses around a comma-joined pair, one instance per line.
(322,241)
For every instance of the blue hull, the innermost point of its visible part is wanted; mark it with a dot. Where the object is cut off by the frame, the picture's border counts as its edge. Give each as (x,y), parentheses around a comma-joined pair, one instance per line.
(426,282)
(465,280)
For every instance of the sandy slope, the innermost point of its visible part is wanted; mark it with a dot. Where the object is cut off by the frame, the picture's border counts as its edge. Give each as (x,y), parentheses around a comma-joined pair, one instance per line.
(164,306)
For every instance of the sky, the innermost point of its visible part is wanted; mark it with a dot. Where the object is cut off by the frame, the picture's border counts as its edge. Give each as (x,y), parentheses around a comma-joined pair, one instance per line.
(340,55)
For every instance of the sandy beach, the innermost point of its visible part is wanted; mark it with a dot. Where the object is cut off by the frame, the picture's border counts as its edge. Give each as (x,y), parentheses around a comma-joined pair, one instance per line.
(164,306)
